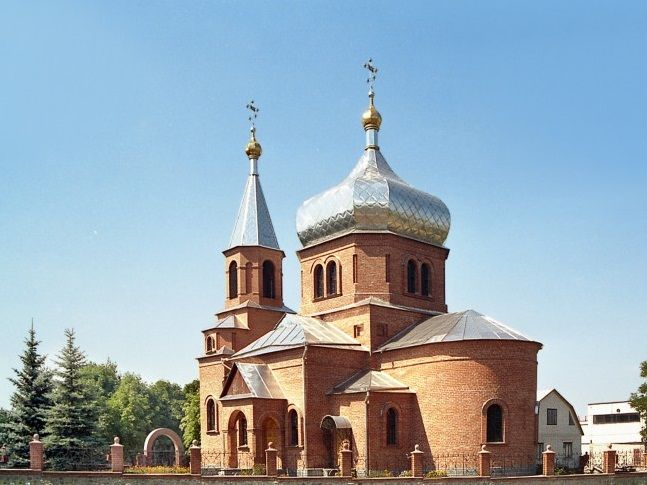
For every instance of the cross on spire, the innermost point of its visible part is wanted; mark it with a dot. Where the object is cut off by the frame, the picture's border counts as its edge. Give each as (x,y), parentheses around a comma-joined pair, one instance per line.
(253,113)
(368,65)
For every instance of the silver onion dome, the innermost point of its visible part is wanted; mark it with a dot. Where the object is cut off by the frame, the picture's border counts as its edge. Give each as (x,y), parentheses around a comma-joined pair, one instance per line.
(372,198)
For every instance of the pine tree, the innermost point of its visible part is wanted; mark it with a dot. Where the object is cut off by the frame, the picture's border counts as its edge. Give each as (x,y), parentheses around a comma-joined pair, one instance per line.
(29,403)
(71,441)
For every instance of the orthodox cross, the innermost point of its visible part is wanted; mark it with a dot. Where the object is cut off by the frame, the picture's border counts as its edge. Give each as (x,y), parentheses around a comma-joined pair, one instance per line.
(372,73)
(253,113)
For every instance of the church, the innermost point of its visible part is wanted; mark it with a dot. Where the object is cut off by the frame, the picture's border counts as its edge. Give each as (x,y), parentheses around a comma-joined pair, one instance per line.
(373,359)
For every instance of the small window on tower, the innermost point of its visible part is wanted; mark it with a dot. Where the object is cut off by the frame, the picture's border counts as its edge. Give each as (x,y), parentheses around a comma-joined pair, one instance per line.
(357,330)
(319,281)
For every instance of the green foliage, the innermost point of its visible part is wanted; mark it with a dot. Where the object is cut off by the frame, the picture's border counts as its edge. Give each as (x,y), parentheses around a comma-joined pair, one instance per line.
(380,473)
(190,422)
(436,474)
(29,403)
(102,380)
(405,473)
(142,470)
(166,405)
(129,410)
(639,401)
(72,419)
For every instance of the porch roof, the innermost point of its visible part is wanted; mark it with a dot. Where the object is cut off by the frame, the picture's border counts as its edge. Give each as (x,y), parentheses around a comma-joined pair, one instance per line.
(369,380)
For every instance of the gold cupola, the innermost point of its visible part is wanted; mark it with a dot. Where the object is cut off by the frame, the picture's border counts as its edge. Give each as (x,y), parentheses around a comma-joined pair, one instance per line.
(371,118)
(253,148)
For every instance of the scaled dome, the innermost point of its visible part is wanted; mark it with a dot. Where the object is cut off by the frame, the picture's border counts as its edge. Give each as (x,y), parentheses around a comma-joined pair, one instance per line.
(372,198)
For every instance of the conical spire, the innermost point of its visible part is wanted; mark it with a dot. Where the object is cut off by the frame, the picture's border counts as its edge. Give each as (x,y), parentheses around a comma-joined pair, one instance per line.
(253,225)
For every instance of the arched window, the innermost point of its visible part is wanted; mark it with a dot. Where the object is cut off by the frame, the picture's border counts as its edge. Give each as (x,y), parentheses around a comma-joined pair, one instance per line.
(319,281)
(248,278)
(210,344)
(391,427)
(411,276)
(233,280)
(494,424)
(242,430)
(211,415)
(268,280)
(331,277)
(293,428)
(425,280)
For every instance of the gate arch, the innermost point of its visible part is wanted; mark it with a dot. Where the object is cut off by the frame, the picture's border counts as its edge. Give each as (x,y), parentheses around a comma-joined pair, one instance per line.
(152,438)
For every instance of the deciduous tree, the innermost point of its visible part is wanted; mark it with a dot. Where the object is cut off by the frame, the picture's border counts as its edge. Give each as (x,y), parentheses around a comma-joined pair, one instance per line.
(190,423)
(639,401)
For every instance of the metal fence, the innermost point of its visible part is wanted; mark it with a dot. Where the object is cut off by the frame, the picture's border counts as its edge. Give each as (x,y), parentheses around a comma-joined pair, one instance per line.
(513,464)
(626,461)
(77,459)
(239,463)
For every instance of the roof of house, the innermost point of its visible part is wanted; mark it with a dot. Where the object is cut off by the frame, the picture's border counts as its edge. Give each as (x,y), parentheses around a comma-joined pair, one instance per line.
(369,380)
(466,325)
(258,378)
(294,331)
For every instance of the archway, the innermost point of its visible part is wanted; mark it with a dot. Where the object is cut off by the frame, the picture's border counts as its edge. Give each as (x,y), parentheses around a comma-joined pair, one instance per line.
(335,430)
(170,434)
(239,454)
(271,433)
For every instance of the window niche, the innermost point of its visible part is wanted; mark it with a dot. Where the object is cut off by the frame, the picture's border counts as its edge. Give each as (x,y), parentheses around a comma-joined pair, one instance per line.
(233,279)
(494,424)
(269,280)
(391,427)
(412,277)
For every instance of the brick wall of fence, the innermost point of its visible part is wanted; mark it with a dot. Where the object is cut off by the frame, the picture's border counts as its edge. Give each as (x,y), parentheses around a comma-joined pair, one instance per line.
(16,477)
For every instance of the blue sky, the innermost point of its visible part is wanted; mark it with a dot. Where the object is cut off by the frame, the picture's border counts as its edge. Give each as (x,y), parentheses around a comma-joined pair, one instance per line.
(121,133)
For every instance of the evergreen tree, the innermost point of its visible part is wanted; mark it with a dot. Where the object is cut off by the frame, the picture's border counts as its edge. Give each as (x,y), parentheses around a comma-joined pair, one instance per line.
(29,403)
(71,442)
(190,423)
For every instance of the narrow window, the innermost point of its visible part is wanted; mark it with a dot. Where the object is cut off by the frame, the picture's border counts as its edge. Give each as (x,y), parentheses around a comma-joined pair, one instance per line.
(391,427)
(411,276)
(551,417)
(268,280)
(571,421)
(293,419)
(357,330)
(494,424)
(331,273)
(248,278)
(210,344)
(233,341)
(242,431)
(319,281)
(354,268)
(568,449)
(233,280)
(425,287)
(211,415)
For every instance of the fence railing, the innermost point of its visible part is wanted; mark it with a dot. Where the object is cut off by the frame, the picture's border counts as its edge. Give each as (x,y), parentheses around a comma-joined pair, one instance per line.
(77,459)
(222,463)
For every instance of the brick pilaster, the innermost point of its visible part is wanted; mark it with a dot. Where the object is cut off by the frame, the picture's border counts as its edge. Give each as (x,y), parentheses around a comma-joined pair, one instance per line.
(117,456)
(485,461)
(195,463)
(416,462)
(548,461)
(346,460)
(270,460)
(609,461)
(36,454)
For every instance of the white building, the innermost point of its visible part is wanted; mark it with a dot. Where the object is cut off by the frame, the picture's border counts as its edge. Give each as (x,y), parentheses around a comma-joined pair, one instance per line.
(615,423)
(558,425)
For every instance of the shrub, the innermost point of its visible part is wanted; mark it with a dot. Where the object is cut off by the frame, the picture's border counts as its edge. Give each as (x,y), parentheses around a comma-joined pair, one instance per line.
(436,474)
(145,470)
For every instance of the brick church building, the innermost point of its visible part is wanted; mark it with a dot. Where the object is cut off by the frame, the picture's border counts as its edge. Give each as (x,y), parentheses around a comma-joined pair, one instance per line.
(373,356)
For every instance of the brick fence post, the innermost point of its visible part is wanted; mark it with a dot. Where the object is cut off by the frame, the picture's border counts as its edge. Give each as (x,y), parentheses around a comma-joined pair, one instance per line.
(609,462)
(195,459)
(117,456)
(36,454)
(645,458)
(416,462)
(270,460)
(548,461)
(346,459)
(485,460)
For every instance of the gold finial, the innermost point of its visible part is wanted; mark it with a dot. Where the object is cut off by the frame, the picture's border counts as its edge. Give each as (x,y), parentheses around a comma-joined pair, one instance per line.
(371,118)
(253,148)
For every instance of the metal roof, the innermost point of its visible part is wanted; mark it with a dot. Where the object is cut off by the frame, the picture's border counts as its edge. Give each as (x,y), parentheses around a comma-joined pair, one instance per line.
(253,225)
(373,198)
(467,325)
(259,380)
(296,331)
(253,304)
(369,380)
